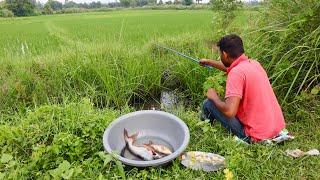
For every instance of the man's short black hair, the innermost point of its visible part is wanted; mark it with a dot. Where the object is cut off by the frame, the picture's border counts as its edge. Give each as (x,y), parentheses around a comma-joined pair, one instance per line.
(232,45)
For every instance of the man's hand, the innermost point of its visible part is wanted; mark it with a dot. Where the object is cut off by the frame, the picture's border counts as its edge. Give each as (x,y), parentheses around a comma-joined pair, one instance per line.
(203,62)
(212,94)
(213,63)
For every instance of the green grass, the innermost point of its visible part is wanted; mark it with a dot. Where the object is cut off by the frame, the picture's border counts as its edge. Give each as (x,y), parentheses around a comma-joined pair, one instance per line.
(41,140)
(104,56)
(134,28)
(64,78)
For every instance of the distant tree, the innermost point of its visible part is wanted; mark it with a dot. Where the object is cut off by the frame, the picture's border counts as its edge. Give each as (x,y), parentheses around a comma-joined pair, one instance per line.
(2,4)
(226,5)
(83,5)
(47,9)
(169,2)
(198,1)
(95,5)
(133,3)
(55,5)
(6,13)
(125,3)
(70,4)
(142,2)
(152,2)
(160,2)
(187,2)
(176,2)
(114,4)
(39,5)
(21,7)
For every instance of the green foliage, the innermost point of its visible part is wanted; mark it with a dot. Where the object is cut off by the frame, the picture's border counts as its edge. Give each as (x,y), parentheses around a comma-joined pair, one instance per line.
(125,3)
(6,13)
(226,5)
(65,142)
(70,4)
(54,5)
(95,60)
(289,46)
(21,7)
(223,23)
(47,9)
(217,82)
(56,141)
(59,60)
(187,2)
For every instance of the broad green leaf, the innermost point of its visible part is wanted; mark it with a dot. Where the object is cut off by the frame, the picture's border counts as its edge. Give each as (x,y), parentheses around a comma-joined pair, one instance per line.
(107,159)
(65,165)
(120,169)
(68,174)
(6,158)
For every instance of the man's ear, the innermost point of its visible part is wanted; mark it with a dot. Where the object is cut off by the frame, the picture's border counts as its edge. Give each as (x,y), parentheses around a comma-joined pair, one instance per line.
(225,55)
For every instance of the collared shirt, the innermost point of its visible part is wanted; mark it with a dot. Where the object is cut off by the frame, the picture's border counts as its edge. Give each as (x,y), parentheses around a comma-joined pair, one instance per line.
(259,110)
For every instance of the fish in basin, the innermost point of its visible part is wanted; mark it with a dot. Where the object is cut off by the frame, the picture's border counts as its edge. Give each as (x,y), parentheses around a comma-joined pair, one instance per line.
(163,150)
(146,152)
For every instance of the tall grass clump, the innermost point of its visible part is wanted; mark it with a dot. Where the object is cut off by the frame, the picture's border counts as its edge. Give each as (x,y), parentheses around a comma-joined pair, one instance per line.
(110,76)
(289,46)
(109,79)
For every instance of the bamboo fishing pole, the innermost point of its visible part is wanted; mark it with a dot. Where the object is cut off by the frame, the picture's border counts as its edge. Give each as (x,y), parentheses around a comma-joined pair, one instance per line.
(183,55)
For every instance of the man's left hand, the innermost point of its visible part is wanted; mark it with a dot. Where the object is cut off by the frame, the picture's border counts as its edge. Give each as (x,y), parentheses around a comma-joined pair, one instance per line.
(212,94)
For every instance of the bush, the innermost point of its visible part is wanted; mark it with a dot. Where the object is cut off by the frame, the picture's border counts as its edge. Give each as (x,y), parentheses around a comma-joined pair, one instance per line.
(47,10)
(289,46)
(21,7)
(6,13)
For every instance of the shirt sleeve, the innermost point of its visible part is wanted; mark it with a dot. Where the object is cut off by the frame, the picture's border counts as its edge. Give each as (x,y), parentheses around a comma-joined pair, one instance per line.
(235,84)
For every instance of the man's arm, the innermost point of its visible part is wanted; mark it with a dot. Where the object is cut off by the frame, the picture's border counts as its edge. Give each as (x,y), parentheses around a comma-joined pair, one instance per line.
(213,63)
(229,108)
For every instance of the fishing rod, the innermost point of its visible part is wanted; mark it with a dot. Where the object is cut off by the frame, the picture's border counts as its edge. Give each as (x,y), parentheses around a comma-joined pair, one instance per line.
(183,55)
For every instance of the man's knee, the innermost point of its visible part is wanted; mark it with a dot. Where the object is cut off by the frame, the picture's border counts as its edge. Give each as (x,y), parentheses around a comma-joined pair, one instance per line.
(207,105)
(208,109)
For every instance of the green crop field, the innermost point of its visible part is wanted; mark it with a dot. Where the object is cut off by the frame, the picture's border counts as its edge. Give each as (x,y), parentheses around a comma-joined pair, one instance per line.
(64,78)
(50,34)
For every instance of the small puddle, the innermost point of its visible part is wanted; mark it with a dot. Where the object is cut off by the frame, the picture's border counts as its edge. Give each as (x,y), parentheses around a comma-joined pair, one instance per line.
(144,140)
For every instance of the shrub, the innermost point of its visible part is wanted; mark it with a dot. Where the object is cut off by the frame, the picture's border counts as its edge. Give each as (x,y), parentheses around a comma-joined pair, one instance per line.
(289,46)
(21,7)
(6,13)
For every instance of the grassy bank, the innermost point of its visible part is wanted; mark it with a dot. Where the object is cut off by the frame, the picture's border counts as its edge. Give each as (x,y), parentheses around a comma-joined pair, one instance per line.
(64,78)
(64,141)
(107,57)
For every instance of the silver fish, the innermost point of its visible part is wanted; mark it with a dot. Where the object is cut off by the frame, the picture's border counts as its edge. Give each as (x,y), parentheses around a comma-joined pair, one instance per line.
(160,149)
(144,152)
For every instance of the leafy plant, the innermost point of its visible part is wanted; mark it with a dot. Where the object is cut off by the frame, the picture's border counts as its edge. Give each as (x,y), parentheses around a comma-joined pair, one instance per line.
(217,82)
(289,46)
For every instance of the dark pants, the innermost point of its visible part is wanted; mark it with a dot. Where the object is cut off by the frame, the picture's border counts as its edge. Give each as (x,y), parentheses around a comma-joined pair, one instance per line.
(232,125)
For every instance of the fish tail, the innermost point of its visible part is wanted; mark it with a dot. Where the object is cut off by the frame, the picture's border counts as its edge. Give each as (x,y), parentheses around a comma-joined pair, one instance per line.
(125,135)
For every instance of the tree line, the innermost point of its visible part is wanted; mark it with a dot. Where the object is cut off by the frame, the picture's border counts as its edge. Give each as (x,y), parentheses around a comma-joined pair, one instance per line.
(9,8)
